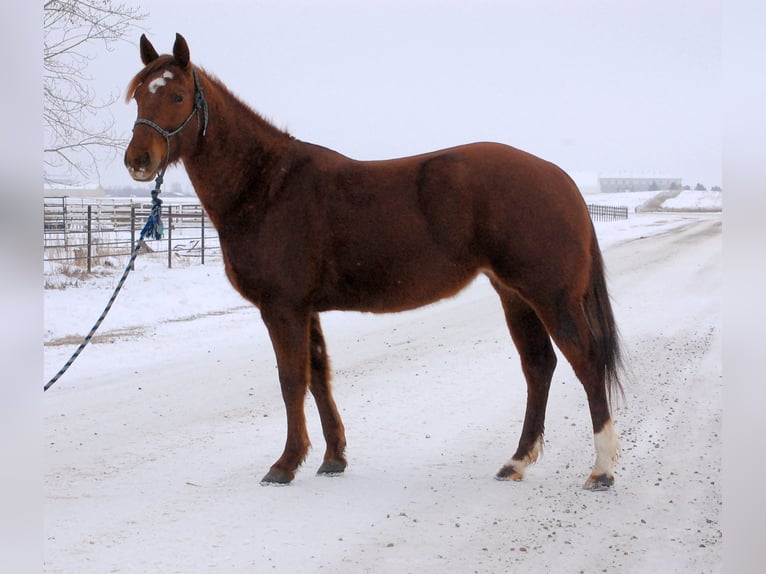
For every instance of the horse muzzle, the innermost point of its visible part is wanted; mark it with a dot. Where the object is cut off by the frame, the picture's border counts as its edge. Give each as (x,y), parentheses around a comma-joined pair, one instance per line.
(141,165)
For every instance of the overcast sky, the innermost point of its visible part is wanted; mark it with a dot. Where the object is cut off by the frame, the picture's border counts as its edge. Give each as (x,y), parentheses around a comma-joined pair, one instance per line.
(596,86)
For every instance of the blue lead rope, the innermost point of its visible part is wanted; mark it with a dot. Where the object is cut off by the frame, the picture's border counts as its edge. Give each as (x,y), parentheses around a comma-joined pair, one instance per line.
(152,229)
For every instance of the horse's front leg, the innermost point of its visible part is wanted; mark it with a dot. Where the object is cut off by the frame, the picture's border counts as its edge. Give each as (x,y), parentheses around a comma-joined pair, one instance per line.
(332,425)
(289,332)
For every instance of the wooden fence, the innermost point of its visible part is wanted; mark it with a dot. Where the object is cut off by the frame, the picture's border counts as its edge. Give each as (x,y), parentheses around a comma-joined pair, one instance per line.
(90,232)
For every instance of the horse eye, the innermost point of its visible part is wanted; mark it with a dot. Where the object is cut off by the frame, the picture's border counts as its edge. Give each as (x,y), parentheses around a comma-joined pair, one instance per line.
(178,98)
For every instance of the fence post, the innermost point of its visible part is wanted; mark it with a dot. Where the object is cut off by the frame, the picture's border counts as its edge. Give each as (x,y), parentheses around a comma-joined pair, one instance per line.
(90,235)
(202,225)
(132,233)
(132,226)
(170,236)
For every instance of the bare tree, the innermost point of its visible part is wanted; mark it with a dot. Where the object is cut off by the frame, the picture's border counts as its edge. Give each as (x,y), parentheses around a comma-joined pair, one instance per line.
(78,127)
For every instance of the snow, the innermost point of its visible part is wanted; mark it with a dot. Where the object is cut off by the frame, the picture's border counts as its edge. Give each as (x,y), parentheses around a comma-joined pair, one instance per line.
(667,200)
(689,200)
(157,437)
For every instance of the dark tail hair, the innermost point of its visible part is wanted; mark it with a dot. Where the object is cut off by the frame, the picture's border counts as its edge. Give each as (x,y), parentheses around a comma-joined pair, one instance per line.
(598,311)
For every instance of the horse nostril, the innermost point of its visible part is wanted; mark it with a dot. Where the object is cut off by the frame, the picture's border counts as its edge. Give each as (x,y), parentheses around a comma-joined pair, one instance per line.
(143,160)
(138,161)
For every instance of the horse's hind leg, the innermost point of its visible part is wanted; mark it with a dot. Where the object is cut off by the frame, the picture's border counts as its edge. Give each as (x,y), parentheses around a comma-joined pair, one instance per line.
(538,361)
(332,425)
(568,325)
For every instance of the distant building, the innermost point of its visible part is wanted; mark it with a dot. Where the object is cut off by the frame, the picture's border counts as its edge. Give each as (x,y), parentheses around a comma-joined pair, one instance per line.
(620,184)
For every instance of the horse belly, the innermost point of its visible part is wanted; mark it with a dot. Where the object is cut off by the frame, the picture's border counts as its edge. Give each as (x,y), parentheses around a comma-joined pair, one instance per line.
(381,286)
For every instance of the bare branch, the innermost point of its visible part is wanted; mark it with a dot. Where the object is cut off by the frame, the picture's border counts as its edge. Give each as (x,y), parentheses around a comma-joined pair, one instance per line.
(74,115)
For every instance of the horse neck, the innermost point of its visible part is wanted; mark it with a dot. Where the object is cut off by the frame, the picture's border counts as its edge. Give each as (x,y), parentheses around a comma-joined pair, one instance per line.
(236,156)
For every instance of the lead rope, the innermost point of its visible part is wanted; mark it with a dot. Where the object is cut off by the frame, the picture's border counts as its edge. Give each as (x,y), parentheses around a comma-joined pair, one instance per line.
(152,229)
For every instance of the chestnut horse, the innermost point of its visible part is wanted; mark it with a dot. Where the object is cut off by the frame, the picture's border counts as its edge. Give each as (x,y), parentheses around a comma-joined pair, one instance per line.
(304,229)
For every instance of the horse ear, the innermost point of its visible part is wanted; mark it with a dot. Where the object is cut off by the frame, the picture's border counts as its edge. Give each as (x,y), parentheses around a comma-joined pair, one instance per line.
(181,51)
(148,53)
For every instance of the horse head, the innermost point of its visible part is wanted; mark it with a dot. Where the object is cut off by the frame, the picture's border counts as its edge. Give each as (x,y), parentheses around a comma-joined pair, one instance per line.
(169,95)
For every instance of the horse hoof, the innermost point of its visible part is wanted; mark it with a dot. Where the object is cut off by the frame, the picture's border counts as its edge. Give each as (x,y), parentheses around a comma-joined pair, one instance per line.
(277,477)
(599,482)
(508,472)
(332,467)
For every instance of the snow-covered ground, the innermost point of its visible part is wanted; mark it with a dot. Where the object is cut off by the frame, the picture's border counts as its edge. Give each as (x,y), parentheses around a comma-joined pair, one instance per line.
(158,435)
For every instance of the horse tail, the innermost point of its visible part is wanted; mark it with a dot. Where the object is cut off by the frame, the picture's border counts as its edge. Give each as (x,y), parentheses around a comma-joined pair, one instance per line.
(598,312)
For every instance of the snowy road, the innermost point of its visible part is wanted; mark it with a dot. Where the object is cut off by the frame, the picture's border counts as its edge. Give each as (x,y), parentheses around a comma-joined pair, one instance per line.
(158,437)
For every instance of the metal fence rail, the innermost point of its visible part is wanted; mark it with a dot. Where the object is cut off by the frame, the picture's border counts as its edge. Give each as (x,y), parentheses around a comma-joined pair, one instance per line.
(88,232)
(607,212)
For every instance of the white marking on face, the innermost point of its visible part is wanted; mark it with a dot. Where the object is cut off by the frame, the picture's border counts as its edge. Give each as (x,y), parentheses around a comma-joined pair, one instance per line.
(157,83)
